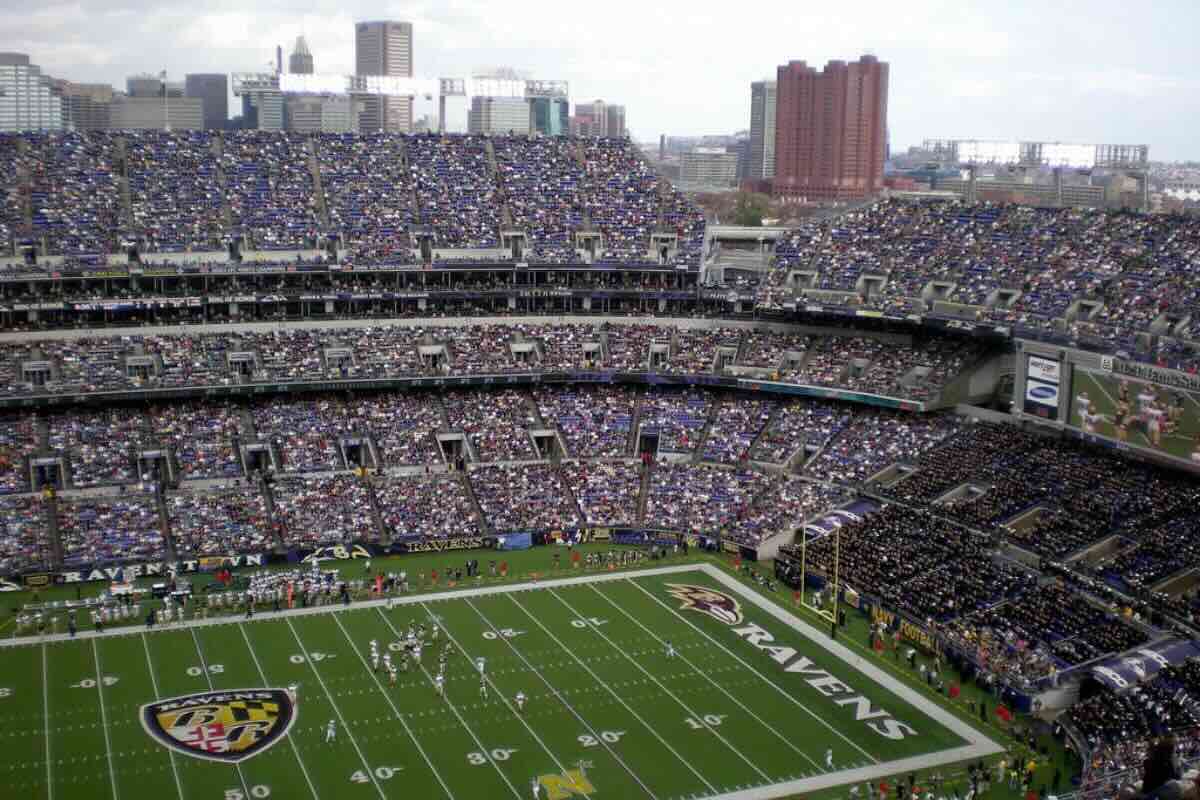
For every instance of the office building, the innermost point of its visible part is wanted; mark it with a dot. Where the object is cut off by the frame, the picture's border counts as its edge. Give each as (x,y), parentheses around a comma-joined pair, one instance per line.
(498,115)
(761,161)
(830,130)
(263,111)
(549,116)
(85,106)
(320,113)
(599,119)
(151,86)
(708,168)
(28,101)
(156,113)
(384,48)
(614,122)
(300,62)
(212,90)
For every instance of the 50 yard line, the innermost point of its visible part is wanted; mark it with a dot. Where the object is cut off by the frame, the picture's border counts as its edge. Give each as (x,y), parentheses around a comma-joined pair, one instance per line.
(157,696)
(208,678)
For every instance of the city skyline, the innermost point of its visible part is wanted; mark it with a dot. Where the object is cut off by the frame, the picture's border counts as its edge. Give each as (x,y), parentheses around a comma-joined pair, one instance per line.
(1028,71)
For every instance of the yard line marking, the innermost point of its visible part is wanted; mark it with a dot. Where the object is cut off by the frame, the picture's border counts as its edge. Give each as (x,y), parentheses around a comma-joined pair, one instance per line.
(208,679)
(336,710)
(698,717)
(395,710)
(766,680)
(609,689)
(157,696)
(291,741)
(112,775)
(487,753)
(489,680)
(46,719)
(708,678)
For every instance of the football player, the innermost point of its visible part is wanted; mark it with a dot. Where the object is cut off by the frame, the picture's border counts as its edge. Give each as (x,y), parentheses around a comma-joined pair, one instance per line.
(482,688)
(330,731)
(670,649)
(828,759)
(439,682)
(520,701)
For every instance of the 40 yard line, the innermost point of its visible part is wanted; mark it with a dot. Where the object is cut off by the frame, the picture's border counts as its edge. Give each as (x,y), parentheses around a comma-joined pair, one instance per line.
(336,710)
(291,741)
(112,775)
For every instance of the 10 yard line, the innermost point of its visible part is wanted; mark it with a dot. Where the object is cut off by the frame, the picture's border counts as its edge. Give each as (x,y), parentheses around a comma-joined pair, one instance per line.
(157,696)
(46,716)
(295,712)
(768,681)
(698,717)
(112,775)
(708,678)
(395,710)
(336,710)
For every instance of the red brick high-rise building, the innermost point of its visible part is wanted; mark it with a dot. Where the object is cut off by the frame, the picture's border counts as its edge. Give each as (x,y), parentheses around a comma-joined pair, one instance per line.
(830,130)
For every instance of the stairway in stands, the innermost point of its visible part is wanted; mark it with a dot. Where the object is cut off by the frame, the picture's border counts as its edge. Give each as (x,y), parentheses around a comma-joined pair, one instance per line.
(314,169)
(484,526)
(698,454)
(644,493)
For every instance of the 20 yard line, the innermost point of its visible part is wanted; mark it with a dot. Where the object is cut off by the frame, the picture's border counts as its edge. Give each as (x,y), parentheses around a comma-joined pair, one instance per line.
(112,775)
(698,717)
(708,678)
(490,682)
(208,679)
(336,710)
(767,680)
(46,718)
(395,710)
(157,696)
(291,741)
(609,689)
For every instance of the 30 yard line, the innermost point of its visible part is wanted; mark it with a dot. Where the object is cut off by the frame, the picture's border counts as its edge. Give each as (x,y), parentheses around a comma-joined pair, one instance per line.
(709,678)
(487,752)
(599,682)
(395,710)
(157,696)
(46,719)
(336,710)
(491,683)
(765,679)
(698,717)
(112,775)
(208,679)
(291,741)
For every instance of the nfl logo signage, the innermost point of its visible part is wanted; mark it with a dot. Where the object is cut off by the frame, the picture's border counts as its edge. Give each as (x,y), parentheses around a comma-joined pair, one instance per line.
(228,726)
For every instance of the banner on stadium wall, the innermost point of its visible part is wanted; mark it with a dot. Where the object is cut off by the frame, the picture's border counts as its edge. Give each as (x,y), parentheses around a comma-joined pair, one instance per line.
(515,541)
(1140,665)
(439,545)
(336,552)
(909,631)
(128,572)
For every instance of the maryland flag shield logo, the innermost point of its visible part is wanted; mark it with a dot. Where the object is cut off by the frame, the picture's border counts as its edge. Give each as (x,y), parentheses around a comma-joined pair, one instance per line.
(228,726)
(717,605)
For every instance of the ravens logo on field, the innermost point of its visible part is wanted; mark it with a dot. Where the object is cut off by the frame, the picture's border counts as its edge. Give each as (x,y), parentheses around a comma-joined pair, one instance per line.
(717,605)
(229,726)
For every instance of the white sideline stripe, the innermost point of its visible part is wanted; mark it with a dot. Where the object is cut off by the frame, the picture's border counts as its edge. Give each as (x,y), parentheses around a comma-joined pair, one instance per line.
(595,734)
(771,728)
(492,683)
(601,682)
(487,751)
(158,696)
(691,712)
(387,697)
(295,711)
(208,680)
(46,714)
(336,710)
(112,775)
(756,672)
(331,608)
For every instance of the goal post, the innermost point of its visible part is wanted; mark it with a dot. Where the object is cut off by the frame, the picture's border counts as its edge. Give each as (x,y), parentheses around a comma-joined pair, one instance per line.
(831,581)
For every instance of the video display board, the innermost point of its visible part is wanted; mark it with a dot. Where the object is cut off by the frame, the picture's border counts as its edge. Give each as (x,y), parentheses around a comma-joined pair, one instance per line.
(1162,418)
(1043,376)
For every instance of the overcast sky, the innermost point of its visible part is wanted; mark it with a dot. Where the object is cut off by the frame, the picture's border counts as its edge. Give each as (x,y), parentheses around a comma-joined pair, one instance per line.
(1114,71)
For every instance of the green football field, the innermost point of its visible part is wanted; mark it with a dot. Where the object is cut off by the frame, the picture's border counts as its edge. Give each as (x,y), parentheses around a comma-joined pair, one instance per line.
(754,704)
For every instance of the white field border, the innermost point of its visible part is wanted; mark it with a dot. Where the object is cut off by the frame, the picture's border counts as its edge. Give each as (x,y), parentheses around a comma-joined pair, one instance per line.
(978,744)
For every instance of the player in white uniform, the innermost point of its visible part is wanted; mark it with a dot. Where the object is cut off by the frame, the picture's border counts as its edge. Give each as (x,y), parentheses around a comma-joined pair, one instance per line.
(417,654)
(439,683)
(433,634)
(670,649)
(375,660)
(480,664)
(482,687)
(330,731)
(1084,404)
(1154,423)
(536,788)
(520,701)
(293,691)
(828,759)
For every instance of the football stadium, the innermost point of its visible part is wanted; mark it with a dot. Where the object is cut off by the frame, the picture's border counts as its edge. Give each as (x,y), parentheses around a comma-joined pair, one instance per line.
(445,465)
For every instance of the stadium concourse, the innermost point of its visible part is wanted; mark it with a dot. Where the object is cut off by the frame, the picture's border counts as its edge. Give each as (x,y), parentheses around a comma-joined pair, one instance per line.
(255,342)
